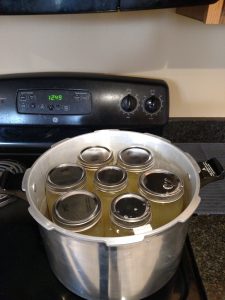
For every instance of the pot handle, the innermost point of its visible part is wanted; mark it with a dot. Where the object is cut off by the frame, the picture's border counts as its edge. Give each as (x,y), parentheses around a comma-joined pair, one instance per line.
(209,170)
(47,224)
(25,179)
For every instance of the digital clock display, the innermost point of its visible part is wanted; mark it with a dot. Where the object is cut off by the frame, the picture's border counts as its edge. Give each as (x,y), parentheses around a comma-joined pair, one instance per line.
(54,101)
(55,97)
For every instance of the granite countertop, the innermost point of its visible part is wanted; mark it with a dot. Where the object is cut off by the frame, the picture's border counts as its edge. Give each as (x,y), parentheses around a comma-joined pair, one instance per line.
(207,236)
(207,227)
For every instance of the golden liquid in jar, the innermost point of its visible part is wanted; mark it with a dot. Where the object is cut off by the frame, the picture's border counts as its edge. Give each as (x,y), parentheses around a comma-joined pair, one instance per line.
(51,198)
(133,179)
(90,179)
(96,230)
(106,200)
(163,213)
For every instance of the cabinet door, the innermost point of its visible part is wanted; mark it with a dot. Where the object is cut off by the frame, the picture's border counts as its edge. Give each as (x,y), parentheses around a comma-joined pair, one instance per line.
(209,14)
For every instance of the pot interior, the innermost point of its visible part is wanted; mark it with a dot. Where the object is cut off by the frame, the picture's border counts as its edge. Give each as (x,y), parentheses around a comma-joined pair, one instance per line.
(165,154)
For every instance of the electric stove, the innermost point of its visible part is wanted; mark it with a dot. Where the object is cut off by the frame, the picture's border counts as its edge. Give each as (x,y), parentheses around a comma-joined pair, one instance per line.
(40,110)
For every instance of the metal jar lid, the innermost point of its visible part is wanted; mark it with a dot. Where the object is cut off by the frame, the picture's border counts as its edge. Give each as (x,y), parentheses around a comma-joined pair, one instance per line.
(78,210)
(161,186)
(135,158)
(65,177)
(130,211)
(95,157)
(110,178)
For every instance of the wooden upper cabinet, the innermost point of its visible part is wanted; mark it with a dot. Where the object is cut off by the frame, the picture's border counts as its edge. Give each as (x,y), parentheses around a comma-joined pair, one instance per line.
(209,14)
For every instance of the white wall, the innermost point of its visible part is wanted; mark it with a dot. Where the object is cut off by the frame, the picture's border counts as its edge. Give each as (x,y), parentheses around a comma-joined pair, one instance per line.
(159,44)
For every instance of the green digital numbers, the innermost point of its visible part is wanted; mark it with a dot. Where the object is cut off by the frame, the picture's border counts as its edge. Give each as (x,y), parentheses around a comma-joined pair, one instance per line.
(55,97)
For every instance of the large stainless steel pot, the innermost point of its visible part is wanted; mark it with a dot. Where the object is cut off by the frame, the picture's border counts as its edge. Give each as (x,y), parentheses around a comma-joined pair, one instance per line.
(130,267)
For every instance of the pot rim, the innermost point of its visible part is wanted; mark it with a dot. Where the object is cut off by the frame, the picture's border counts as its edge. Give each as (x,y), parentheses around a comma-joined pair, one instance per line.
(113,241)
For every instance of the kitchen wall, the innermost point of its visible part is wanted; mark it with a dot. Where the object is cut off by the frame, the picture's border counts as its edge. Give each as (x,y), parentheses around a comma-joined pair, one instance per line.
(159,44)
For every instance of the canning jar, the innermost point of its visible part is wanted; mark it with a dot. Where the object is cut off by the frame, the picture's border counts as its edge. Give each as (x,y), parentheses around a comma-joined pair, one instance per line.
(92,158)
(109,182)
(129,214)
(79,211)
(62,179)
(165,191)
(134,160)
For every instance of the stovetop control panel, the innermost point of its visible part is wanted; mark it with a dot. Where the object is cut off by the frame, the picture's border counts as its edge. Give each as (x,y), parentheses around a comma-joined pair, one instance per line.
(83,100)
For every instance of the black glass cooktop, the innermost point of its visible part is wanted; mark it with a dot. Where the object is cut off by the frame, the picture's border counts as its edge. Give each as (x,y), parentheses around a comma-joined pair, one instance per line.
(26,275)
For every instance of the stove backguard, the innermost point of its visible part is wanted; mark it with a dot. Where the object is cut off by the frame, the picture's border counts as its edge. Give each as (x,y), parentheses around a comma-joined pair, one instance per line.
(40,109)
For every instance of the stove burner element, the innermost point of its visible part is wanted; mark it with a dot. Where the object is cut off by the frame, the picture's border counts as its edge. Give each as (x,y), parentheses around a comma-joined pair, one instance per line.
(13,167)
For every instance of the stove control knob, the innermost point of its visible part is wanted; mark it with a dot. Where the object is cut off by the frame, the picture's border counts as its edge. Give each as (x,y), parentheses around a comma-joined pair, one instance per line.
(128,103)
(152,104)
